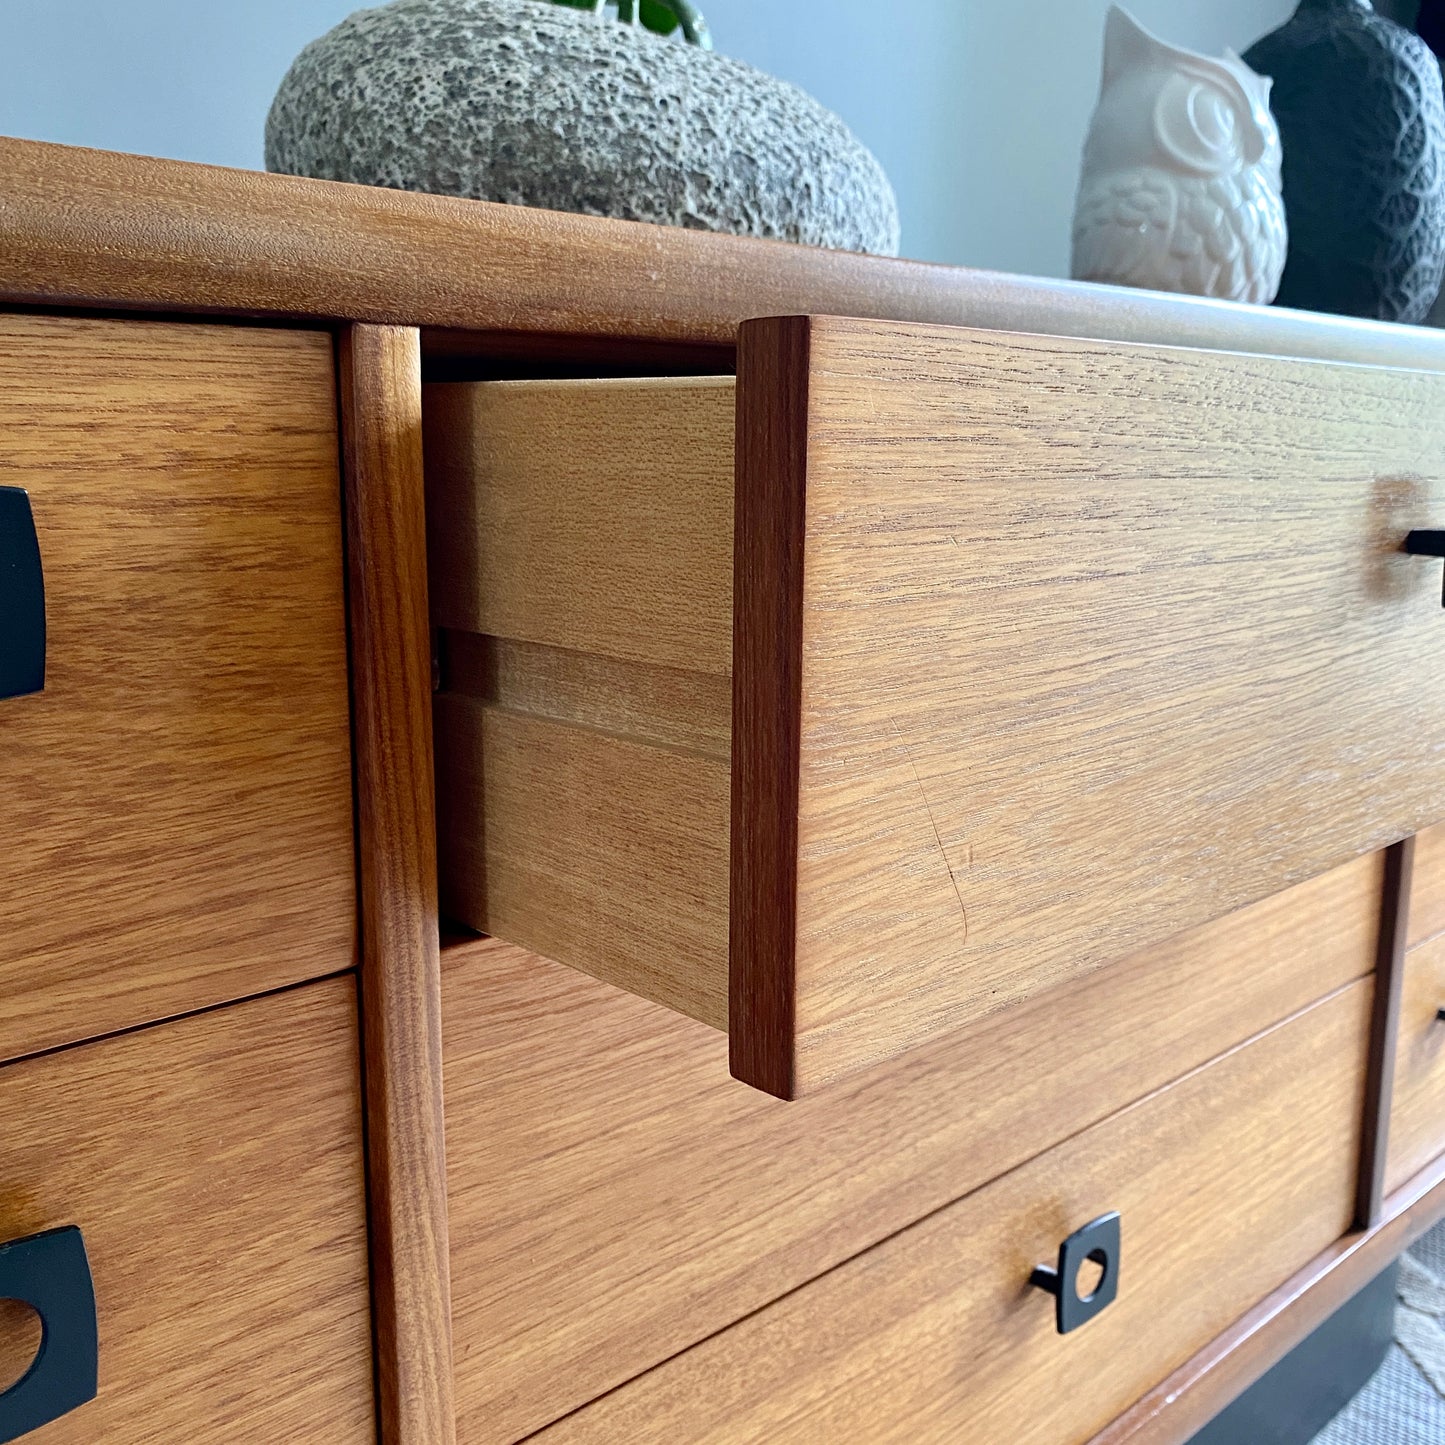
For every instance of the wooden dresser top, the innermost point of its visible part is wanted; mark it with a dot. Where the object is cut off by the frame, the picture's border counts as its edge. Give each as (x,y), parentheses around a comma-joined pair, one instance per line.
(91,228)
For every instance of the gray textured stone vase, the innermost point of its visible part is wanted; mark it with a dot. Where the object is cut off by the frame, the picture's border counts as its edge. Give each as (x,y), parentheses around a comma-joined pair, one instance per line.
(538,105)
(1360,111)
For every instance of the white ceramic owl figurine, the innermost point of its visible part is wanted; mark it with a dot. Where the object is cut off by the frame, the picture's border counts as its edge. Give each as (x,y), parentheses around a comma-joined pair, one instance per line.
(1180,189)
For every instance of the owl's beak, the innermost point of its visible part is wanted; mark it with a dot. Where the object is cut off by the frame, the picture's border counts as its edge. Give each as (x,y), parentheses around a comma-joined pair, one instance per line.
(1252,107)
(1253,97)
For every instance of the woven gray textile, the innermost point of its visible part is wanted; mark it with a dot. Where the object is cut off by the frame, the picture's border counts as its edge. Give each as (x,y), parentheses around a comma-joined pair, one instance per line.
(1404,1402)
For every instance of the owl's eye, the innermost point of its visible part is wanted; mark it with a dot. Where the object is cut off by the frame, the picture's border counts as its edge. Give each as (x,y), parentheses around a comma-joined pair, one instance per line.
(1200,125)
(1213,118)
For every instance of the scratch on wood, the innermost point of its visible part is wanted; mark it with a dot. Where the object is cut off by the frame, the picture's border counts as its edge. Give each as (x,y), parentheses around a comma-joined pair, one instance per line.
(937,838)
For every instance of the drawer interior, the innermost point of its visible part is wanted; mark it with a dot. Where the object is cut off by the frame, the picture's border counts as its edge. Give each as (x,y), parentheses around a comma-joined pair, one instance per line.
(920,670)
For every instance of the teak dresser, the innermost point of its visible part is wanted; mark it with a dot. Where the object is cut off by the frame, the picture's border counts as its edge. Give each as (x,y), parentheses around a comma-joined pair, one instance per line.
(623,835)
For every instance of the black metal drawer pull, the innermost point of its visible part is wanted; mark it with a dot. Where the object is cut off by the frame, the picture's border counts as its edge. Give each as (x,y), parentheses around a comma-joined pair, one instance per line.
(51,1274)
(22,598)
(1097,1242)
(1427,544)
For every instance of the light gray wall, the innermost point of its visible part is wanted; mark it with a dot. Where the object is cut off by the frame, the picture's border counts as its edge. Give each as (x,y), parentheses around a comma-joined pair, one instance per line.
(976,108)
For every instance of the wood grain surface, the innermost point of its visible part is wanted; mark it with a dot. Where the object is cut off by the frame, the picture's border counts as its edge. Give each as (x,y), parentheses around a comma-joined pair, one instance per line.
(774,408)
(615,1196)
(1097,642)
(20,1336)
(214,1167)
(1226,1183)
(606,852)
(400,979)
(1185,1400)
(591,515)
(1427,889)
(176,805)
(89,227)
(580,547)
(668,705)
(1417,1116)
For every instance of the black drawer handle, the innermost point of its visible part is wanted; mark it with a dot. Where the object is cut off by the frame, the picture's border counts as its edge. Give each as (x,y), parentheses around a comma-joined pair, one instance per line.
(1098,1242)
(51,1274)
(1427,544)
(22,598)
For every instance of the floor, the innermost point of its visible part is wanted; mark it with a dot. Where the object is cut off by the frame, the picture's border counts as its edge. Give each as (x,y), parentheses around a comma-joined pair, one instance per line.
(1404,1402)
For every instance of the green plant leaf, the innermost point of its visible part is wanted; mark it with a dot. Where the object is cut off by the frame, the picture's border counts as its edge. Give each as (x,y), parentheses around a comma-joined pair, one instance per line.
(662,17)
(659,17)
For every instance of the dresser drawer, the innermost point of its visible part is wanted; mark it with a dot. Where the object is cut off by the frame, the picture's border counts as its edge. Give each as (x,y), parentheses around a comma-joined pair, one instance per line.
(1023,654)
(1417,1106)
(1225,1183)
(214,1169)
(176,804)
(615,1197)
(1427,886)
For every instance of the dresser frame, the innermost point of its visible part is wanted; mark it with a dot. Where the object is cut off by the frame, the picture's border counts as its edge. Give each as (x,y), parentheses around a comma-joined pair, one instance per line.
(412,284)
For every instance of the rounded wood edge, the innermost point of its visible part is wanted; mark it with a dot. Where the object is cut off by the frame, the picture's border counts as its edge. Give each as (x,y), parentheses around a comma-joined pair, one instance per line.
(94,228)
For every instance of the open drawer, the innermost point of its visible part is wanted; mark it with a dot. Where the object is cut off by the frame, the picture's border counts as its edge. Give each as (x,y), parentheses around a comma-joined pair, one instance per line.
(997,658)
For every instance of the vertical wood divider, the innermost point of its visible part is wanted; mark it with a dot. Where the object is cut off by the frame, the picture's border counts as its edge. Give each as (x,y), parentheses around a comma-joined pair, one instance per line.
(380,377)
(1384,1028)
(770,518)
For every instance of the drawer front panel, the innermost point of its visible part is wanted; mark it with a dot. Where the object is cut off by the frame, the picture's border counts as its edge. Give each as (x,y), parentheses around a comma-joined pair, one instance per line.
(1427,886)
(176,805)
(1417,1105)
(1225,1182)
(1046,649)
(615,1197)
(214,1167)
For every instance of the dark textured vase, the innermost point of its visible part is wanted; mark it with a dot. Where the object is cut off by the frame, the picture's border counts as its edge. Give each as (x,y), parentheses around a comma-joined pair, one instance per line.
(1362,120)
